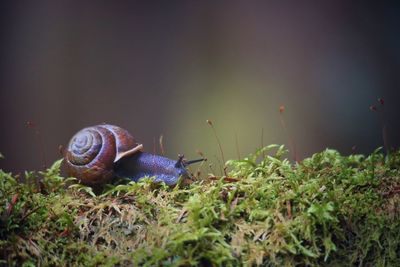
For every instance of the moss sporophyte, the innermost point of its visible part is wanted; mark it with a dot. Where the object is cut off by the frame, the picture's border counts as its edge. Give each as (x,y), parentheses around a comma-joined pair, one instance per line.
(326,210)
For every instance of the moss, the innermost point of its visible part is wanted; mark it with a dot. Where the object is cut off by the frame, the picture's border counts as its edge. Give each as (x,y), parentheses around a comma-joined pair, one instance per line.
(328,210)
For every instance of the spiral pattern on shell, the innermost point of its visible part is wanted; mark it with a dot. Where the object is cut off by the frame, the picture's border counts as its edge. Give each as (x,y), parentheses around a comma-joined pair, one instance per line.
(92,152)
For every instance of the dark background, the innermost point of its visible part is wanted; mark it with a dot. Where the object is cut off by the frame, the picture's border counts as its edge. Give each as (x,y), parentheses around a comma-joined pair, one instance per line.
(164,67)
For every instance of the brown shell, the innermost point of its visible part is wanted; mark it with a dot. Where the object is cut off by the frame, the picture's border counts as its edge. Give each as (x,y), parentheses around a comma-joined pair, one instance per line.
(92,152)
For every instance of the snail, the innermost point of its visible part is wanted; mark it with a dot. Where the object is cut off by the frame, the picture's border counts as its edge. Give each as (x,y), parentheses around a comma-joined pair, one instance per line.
(97,154)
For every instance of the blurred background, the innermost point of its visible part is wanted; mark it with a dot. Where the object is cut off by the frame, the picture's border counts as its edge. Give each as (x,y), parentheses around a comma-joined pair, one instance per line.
(165,67)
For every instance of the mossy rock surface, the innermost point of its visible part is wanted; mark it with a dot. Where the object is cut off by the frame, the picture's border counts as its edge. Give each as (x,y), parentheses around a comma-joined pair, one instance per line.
(327,210)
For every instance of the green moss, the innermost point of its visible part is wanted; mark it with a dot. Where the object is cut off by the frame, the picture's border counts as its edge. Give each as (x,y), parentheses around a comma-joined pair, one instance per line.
(328,210)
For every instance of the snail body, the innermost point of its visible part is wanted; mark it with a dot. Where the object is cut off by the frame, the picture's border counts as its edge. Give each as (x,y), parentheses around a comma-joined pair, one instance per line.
(97,154)
(143,164)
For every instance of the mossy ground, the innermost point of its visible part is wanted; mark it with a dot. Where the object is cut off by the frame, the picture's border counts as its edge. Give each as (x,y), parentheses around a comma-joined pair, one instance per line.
(327,210)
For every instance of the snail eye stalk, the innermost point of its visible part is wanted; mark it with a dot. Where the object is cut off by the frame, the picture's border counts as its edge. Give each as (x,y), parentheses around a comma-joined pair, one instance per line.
(179,162)
(183,163)
(194,161)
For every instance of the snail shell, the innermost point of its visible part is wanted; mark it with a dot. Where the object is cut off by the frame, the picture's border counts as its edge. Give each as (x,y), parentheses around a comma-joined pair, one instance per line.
(93,151)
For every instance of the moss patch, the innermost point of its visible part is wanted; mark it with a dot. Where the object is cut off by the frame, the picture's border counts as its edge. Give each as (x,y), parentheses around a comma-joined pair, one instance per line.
(328,210)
